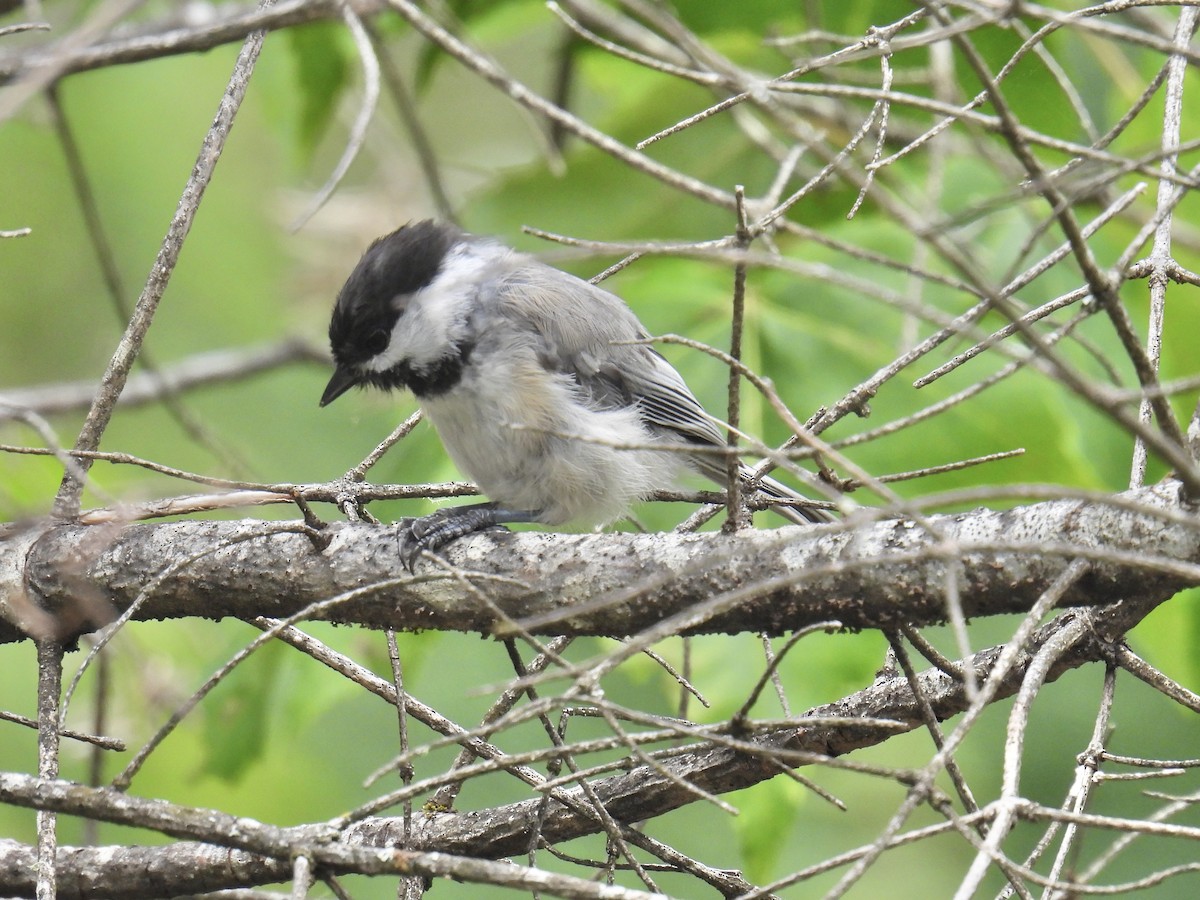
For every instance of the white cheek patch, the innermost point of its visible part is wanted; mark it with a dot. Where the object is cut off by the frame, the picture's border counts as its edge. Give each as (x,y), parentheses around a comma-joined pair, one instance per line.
(395,352)
(436,315)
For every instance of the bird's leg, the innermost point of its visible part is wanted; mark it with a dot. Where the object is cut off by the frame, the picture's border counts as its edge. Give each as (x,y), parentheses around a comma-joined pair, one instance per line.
(436,530)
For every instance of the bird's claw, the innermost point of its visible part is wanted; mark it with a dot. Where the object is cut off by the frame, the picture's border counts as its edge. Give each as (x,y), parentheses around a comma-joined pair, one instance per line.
(432,532)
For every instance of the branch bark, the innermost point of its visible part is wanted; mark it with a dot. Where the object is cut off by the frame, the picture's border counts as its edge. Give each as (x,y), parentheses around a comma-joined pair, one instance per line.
(876,575)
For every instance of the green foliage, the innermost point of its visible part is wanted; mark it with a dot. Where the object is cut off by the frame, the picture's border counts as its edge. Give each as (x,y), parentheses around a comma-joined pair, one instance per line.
(768,813)
(322,67)
(237,715)
(489,21)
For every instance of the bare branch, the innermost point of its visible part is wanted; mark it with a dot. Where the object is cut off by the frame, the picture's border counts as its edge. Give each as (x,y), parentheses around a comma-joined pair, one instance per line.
(113,381)
(769,581)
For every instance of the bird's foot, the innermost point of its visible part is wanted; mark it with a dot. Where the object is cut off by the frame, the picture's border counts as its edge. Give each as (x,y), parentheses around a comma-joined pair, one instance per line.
(438,529)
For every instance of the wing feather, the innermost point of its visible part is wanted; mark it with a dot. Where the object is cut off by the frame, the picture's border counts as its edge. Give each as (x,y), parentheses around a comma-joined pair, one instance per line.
(588,334)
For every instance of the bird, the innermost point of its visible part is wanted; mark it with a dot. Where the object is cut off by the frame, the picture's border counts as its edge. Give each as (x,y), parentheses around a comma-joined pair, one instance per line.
(542,386)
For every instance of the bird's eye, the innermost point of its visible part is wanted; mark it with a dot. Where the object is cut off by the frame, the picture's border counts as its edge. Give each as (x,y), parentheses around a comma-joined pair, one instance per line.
(377,341)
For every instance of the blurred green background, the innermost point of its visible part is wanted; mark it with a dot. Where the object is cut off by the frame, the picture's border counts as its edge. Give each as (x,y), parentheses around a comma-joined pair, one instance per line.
(285,742)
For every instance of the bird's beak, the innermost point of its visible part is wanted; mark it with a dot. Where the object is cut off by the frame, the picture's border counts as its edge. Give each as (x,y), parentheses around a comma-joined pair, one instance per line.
(343,379)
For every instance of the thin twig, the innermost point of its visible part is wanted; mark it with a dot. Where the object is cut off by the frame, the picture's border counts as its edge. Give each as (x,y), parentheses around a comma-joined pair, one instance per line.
(67,501)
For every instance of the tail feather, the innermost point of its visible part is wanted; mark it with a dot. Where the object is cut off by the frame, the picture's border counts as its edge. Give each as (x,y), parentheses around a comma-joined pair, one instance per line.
(801,511)
(795,507)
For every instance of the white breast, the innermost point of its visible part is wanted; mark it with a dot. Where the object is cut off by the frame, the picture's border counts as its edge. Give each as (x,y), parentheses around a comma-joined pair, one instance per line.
(530,442)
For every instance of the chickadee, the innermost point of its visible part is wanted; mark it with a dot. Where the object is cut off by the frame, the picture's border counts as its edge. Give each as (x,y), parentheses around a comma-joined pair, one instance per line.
(531,377)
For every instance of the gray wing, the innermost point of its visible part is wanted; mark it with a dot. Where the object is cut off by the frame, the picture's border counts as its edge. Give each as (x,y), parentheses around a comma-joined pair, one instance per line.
(586,333)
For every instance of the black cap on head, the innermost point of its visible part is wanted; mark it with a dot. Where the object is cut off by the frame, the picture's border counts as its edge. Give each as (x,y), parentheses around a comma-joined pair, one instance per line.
(370,301)
(404,261)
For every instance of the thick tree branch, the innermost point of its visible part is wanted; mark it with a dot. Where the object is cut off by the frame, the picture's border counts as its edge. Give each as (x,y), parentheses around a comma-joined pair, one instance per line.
(135,872)
(1142,544)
